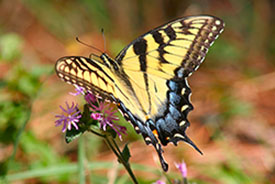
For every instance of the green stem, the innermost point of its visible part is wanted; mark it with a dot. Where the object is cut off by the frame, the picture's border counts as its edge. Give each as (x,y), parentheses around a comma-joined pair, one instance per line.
(81,160)
(118,153)
(96,133)
(116,146)
(167,177)
(128,167)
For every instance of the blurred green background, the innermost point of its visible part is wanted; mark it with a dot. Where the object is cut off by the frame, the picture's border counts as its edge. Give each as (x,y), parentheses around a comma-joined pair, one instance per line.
(233,91)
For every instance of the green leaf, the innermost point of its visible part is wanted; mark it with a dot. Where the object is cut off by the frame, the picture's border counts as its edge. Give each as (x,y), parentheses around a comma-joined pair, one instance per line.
(112,132)
(86,117)
(73,134)
(126,153)
(86,113)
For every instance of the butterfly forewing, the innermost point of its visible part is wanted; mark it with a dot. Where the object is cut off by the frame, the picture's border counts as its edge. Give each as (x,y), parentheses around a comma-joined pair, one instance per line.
(86,73)
(181,44)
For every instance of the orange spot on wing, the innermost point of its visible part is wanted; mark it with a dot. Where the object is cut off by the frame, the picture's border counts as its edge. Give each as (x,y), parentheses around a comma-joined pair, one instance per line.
(155,132)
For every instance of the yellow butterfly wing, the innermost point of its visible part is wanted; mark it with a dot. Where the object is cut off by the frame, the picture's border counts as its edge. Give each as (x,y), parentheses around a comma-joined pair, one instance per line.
(148,78)
(183,42)
(87,73)
(158,64)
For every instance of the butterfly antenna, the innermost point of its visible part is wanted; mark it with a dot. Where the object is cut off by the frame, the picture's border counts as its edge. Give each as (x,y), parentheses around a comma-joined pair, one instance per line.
(104,40)
(77,39)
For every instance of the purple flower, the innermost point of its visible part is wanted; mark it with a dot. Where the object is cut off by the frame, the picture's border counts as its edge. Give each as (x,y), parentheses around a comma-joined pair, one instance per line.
(69,117)
(183,169)
(90,98)
(79,90)
(96,116)
(105,114)
(159,182)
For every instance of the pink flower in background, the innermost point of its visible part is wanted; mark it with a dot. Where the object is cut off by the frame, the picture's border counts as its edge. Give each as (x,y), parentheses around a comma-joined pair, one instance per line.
(183,169)
(159,182)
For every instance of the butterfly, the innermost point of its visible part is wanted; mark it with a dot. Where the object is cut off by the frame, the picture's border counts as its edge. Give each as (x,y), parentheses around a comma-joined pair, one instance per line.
(148,78)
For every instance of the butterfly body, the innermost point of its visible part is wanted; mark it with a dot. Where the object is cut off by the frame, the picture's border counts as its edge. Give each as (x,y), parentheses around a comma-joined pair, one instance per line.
(148,78)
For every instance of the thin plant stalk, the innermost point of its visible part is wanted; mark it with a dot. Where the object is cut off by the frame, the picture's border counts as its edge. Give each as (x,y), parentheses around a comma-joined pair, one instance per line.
(81,160)
(121,159)
(115,149)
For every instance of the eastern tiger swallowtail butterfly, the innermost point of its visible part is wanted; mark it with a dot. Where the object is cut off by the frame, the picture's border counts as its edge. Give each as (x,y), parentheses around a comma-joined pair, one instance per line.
(148,78)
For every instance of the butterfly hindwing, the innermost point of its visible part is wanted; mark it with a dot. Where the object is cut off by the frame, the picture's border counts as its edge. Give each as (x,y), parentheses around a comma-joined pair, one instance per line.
(148,78)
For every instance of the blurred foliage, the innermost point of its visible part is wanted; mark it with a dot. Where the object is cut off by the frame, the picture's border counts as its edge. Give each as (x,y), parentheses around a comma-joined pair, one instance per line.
(11,45)
(234,107)
(235,83)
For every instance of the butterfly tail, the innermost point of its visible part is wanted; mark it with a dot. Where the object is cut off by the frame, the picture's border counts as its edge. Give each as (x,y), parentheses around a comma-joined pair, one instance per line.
(150,138)
(190,142)
(153,140)
(159,150)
